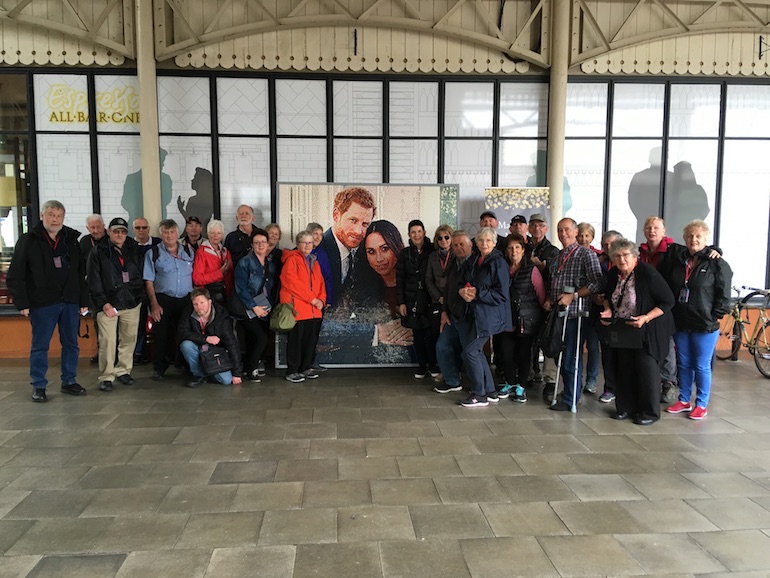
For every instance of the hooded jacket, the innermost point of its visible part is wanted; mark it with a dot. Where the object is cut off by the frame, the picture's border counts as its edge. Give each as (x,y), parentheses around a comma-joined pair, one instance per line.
(105,276)
(490,311)
(301,282)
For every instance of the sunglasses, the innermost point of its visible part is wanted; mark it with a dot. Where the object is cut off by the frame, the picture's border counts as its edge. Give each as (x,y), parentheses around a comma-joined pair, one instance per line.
(443,237)
(140,228)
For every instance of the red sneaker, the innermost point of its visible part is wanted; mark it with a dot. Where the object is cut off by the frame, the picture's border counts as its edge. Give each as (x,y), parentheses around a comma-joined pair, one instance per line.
(698,413)
(679,407)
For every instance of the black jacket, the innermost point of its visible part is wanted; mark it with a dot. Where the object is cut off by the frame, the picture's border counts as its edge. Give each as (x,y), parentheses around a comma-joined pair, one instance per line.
(545,251)
(34,280)
(527,315)
(410,279)
(105,276)
(453,303)
(220,325)
(651,291)
(709,286)
(490,311)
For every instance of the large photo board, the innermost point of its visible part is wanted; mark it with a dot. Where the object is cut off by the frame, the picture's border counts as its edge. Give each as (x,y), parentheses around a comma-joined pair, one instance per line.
(361,327)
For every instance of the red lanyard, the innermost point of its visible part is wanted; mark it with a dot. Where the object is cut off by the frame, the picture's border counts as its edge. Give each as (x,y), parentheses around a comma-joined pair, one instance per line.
(54,244)
(563,262)
(203,325)
(445,261)
(689,269)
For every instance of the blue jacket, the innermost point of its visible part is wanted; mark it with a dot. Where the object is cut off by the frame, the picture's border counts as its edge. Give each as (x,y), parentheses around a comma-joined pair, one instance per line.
(490,311)
(255,284)
(326,272)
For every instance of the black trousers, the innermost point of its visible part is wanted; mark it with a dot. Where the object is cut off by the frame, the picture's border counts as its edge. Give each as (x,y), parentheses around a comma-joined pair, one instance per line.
(425,348)
(164,331)
(608,367)
(257,336)
(513,352)
(300,347)
(637,388)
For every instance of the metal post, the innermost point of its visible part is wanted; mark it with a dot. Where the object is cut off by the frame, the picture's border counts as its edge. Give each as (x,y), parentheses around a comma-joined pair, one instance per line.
(557,105)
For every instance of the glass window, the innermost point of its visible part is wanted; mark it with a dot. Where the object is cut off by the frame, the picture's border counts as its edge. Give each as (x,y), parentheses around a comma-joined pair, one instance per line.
(638,110)
(413,109)
(357,160)
(469,165)
(469,108)
(524,109)
(244,178)
(15,201)
(690,184)
(694,110)
(748,111)
(745,205)
(300,107)
(586,109)
(120,176)
(184,104)
(242,106)
(518,163)
(117,103)
(413,161)
(61,102)
(357,108)
(186,181)
(13,102)
(302,160)
(635,174)
(584,181)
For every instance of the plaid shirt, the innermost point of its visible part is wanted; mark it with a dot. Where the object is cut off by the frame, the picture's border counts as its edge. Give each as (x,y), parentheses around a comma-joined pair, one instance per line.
(576,267)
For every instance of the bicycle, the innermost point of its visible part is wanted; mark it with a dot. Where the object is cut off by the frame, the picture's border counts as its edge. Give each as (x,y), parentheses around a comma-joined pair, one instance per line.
(733,333)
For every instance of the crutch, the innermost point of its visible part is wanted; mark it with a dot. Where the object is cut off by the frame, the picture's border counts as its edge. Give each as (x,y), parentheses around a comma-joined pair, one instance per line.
(561,313)
(578,352)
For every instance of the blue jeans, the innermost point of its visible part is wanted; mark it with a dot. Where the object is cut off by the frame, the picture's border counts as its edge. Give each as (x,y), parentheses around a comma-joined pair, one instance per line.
(694,352)
(568,369)
(191,353)
(594,356)
(44,320)
(449,352)
(476,366)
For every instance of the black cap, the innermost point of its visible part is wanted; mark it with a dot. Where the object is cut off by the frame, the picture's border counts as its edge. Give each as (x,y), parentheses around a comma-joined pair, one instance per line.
(519,219)
(118,223)
(193,220)
(487,214)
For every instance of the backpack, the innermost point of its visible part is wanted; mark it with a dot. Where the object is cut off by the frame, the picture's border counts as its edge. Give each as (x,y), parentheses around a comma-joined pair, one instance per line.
(156,251)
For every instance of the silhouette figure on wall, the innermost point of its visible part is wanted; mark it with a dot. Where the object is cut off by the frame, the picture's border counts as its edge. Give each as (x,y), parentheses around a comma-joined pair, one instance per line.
(132,200)
(539,161)
(201,204)
(644,192)
(685,200)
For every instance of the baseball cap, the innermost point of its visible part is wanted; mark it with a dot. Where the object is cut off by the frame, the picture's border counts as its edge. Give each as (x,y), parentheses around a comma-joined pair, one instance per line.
(538,217)
(487,214)
(118,223)
(193,220)
(519,219)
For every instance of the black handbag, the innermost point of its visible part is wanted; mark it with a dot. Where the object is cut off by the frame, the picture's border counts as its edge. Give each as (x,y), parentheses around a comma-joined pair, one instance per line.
(550,338)
(214,359)
(236,308)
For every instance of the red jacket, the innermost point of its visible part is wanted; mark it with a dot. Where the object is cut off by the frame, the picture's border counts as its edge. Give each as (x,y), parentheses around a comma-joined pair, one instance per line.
(208,264)
(655,258)
(300,285)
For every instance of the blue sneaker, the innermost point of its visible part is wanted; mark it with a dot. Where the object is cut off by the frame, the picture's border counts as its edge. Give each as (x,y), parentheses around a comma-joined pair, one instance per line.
(505,391)
(519,394)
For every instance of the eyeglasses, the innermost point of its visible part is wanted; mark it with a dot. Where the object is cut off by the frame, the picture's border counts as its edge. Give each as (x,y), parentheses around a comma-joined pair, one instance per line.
(443,237)
(141,228)
(305,243)
(260,242)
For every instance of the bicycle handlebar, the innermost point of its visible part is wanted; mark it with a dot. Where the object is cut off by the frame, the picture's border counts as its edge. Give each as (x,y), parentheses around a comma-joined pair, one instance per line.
(764,292)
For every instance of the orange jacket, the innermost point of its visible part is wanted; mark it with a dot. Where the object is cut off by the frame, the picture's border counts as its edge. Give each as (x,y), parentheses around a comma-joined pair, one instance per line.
(300,285)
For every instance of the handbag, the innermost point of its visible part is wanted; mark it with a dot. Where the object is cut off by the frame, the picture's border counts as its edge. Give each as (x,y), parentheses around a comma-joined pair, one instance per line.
(549,337)
(282,318)
(236,308)
(618,335)
(214,359)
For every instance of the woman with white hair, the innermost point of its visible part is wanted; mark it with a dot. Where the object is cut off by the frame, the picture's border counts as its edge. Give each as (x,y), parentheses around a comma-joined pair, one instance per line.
(213,267)
(701,288)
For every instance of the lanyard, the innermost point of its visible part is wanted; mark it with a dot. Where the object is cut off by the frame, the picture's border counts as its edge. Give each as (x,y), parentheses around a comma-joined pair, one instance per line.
(445,261)
(623,290)
(689,269)
(567,257)
(120,258)
(203,325)
(53,244)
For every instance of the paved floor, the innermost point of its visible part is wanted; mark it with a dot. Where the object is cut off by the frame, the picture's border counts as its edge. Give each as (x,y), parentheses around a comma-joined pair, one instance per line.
(368,473)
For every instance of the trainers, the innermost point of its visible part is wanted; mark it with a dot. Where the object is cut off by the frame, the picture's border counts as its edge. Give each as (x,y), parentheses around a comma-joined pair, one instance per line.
(590,387)
(561,406)
(311,374)
(260,370)
(73,389)
(668,392)
(437,377)
(39,395)
(126,379)
(474,401)
(679,407)
(519,394)
(318,367)
(448,388)
(105,386)
(420,374)
(607,397)
(158,376)
(493,398)
(699,412)
(253,376)
(295,378)
(505,391)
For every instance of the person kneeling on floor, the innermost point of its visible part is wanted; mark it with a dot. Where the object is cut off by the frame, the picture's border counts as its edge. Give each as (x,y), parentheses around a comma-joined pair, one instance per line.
(208,325)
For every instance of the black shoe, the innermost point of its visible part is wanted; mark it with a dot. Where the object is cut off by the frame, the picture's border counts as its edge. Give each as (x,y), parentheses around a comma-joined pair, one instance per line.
(105,386)
(158,376)
(39,395)
(560,406)
(644,421)
(73,389)
(260,370)
(196,381)
(253,376)
(548,390)
(621,415)
(126,379)
(140,360)
(318,367)
(94,359)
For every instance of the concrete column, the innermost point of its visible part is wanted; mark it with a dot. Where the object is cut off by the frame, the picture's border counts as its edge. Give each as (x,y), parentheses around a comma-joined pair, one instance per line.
(148,111)
(557,105)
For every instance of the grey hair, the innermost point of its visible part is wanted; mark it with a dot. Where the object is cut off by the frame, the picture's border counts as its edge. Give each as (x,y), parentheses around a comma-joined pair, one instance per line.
(314,226)
(52,205)
(94,217)
(697,224)
(301,235)
(487,232)
(623,244)
(168,224)
(611,233)
(215,224)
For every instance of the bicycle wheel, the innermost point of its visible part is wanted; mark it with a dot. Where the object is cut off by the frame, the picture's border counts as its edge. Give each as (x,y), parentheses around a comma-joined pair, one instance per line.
(762,350)
(729,342)
(744,303)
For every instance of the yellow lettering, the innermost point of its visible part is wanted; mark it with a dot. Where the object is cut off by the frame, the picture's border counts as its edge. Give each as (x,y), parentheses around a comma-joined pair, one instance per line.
(101,117)
(82,117)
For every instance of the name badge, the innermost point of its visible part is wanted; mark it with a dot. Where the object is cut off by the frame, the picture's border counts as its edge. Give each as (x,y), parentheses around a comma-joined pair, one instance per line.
(57,262)
(125,276)
(684,295)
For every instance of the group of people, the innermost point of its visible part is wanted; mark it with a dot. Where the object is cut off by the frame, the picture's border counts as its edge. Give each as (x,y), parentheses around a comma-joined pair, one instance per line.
(648,315)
